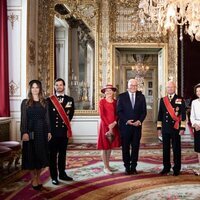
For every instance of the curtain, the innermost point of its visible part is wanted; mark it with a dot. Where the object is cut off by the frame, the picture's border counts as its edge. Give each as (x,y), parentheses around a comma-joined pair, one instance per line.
(4,82)
(191,58)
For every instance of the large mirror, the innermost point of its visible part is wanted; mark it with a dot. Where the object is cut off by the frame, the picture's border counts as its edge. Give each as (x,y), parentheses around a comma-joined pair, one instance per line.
(75,50)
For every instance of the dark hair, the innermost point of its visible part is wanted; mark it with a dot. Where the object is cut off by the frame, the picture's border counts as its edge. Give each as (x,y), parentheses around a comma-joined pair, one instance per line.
(59,79)
(40,95)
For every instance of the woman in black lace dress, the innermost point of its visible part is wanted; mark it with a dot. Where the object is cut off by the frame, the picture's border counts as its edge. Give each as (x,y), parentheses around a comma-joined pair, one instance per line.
(35,131)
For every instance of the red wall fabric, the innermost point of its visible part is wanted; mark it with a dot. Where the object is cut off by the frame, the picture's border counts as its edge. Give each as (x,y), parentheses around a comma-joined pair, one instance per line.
(4,80)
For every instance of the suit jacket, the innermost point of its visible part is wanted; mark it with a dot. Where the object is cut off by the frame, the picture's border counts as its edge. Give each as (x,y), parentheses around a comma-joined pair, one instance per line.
(126,112)
(165,121)
(58,127)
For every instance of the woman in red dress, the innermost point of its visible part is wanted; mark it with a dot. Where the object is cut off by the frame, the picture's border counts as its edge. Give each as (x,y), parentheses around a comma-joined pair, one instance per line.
(108,126)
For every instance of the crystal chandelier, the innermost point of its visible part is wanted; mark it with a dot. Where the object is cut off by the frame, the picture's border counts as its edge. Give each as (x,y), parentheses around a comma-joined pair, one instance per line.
(140,68)
(169,13)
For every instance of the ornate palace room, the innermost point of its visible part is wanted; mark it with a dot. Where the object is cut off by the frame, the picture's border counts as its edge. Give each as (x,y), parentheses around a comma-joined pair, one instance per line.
(97,50)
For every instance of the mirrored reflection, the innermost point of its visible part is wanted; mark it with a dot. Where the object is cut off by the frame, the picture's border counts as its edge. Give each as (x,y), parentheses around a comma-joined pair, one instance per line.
(75,57)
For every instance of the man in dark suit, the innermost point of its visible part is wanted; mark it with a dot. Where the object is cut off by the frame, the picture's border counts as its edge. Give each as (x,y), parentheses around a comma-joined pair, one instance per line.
(131,110)
(171,124)
(59,130)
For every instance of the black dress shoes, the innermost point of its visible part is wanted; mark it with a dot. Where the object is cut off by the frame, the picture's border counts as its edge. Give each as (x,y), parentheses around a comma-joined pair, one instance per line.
(164,171)
(55,182)
(65,178)
(176,173)
(134,171)
(127,171)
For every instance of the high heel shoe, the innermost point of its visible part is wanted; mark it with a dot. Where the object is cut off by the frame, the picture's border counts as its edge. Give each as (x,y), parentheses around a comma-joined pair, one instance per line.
(112,169)
(40,186)
(196,172)
(107,171)
(36,187)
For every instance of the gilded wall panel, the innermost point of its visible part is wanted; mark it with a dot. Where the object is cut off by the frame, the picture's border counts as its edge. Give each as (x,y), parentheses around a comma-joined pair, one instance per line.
(172,56)
(45,24)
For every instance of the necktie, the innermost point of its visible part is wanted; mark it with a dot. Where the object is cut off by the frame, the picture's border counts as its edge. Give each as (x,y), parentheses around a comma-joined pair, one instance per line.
(170,97)
(132,100)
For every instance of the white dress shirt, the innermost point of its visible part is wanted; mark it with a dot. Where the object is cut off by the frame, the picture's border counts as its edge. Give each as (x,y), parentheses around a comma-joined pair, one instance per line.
(195,112)
(170,95)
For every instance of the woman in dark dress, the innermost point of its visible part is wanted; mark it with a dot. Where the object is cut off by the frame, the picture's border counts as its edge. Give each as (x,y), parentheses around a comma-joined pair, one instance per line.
(35,132)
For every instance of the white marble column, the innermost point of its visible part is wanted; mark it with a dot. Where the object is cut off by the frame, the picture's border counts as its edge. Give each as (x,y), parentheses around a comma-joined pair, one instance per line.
(62,46)
(17,34)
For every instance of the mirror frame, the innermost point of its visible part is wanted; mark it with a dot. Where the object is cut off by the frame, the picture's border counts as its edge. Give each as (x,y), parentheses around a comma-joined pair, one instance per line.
(70,4)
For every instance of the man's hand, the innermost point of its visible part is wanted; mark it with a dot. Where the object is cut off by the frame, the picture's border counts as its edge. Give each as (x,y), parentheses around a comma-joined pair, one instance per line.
(137,123)
(159,133)
(130,122)
(49,136)
(196,127)
(25,137)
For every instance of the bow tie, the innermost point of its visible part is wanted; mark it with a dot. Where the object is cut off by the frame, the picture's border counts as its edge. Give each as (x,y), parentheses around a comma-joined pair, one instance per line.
(60,97)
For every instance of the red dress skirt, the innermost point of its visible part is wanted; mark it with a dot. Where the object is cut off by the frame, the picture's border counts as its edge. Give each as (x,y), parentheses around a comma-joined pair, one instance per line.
(108,115)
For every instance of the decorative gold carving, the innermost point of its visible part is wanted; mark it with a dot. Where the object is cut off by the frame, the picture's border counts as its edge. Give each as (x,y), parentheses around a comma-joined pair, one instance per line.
(45,43)
(85,10)
(107,78)
(12,18)
(172,56)
(13,87)
(32,53)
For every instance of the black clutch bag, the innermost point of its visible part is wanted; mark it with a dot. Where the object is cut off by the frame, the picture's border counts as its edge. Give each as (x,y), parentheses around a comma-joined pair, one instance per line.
(31,135)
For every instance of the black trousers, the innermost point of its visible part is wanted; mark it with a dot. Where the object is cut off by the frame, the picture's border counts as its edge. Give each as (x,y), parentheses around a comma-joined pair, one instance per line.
(130,138)
(176,146)
(57,150)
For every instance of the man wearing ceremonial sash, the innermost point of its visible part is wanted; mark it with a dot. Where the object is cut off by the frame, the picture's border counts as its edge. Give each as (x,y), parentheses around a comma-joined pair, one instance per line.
(171,124)
(61,111)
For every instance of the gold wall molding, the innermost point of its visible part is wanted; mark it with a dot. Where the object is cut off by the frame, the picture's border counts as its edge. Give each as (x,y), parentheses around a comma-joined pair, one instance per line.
(32,52)
(13,18)
(85,10)
(173,55)
(45,46)
(163,46)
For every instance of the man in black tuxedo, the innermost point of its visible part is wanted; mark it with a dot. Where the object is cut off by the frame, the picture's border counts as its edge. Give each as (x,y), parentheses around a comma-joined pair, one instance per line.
(59,140)
(131,110)
(170,125)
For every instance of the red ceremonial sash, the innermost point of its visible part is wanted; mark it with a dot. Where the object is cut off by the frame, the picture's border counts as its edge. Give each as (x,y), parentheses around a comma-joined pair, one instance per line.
(62,114)
(171,111)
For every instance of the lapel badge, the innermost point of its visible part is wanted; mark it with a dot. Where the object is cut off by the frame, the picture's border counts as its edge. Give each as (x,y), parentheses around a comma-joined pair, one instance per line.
(178,101)
(68,105)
